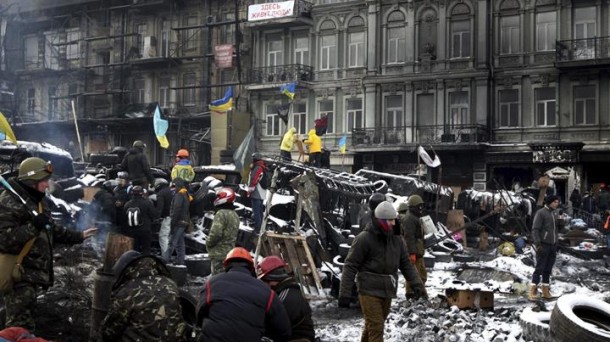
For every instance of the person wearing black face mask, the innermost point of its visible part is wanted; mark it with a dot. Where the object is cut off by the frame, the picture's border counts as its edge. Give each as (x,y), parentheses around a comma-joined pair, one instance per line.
(413,235)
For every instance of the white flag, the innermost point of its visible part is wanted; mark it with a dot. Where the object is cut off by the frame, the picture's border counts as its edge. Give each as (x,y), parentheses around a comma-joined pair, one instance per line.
(426,157)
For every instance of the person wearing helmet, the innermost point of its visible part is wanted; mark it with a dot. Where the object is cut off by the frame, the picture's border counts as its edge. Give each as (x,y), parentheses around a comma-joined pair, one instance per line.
(121,196)
(223,233)
(26,223)
(235,306)
(103,209)
(139,213)
(272,270)
(256,190)
(373,261)
(162,205)
(183,167)
(145,302)
(137,166)
(366,216)
(413,235)
(180,219)
(287,143)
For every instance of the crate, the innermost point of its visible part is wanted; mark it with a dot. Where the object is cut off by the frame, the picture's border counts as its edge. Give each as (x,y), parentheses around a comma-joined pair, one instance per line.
(470,299)
(293,249)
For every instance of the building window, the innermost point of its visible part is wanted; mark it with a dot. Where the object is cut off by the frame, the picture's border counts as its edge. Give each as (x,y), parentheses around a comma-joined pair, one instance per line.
(272,120)
(299,117)
(355,116)
(275,55)
(509,108)
(355,41)
(584,32)
(31,101)
(460,39)
(546,31)
(191,36)
(584,105)
(397,44)
(458,109)
(228,31)
(141,31)
(328,46)
(31,52)
(165,38)
(545,106)
(51,51)
(189,93)
(327,107)
(138,91)
(52,93)
(393,111)
(301,50)
(509,34)
(164,93)
(72,47)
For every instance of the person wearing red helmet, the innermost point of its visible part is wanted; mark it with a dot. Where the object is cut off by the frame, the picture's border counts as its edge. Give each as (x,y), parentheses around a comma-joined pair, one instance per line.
(183,168)
(235,306)
(223,232)
(272,270)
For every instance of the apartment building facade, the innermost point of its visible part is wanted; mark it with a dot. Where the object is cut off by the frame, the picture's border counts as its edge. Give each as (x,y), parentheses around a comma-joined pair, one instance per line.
(106,65)
(498,89)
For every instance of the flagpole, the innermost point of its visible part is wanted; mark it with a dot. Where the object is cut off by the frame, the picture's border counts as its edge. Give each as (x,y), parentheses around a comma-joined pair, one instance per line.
(80,145)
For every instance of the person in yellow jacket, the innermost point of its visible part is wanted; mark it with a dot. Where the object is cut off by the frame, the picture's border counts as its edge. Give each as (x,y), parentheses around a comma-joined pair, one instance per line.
(183,168)
(314,144)
(287,143)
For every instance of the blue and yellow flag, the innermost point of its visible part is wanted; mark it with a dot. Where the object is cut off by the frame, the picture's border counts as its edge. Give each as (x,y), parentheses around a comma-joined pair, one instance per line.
(160,126)
(6,132)
(224,104)
(343,144)
(289,90)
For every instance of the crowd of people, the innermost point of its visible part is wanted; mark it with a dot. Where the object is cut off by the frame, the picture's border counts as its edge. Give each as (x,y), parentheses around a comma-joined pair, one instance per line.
(242,300)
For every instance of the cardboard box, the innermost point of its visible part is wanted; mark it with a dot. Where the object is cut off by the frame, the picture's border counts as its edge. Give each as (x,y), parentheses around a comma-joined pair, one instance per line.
(470,299)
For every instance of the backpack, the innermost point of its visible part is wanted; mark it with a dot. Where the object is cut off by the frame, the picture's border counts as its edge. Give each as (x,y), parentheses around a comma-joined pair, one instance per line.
(134,217)
(265,181)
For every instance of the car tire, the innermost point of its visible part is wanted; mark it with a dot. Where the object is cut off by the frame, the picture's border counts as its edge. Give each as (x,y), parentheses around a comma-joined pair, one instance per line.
(535,324)
(579,318)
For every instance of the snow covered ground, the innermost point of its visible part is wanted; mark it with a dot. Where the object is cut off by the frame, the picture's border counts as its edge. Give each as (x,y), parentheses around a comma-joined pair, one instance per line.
(432,320)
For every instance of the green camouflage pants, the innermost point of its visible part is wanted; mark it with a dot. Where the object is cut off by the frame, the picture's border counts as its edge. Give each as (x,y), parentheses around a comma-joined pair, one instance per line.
(20,305)
(217,266)
(421,270)
(375,310)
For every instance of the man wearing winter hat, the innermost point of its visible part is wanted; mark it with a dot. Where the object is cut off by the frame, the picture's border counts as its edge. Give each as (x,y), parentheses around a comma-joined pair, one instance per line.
(374,259)
(544,236)
(413,235)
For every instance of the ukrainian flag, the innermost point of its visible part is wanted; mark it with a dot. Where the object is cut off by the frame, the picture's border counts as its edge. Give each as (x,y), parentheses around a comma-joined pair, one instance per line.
(160,126)
(224,104)
(6,133)
(343,144)
(289,89)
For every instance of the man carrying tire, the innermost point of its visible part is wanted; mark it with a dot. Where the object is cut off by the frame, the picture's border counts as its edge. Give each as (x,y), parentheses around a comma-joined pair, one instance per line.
(544,235)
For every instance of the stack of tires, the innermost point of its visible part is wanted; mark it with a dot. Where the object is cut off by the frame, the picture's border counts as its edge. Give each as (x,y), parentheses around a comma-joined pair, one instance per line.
(575,317)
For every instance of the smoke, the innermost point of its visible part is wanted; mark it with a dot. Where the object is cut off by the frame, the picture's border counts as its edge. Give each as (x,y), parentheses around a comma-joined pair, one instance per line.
(94,215)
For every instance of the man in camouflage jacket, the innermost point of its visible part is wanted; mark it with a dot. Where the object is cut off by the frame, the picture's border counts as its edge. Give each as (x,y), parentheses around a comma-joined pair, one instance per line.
(18,225)
(145,302)
(223,232)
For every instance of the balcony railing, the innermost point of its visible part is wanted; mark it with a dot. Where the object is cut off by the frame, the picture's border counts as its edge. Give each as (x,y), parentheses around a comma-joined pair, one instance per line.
(280,74)
(583,49)
(436,134)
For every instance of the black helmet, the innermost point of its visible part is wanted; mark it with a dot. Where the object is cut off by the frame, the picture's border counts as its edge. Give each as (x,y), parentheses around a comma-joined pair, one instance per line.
(256,156)
(137,190)
(375,199)
(160,182)
(109,185)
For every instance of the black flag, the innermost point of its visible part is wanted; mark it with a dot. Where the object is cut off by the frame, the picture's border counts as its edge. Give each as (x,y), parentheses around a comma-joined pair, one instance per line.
(282,111)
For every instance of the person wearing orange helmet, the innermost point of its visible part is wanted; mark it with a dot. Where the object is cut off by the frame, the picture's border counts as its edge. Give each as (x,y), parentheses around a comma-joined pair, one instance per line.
(272,270)
(223,232)
(183,168)
(235,306)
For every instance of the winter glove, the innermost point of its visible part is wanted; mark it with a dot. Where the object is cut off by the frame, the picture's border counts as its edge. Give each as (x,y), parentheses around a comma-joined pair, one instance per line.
(413,258)
(538,247)
(419,291)
(42,221)
(344,302)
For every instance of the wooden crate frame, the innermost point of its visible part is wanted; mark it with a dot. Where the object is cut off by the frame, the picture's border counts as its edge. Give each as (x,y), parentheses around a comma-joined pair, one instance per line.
(294,250)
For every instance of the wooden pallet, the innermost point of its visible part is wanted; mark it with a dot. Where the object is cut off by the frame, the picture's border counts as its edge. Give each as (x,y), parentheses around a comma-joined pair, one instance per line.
(294,250)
